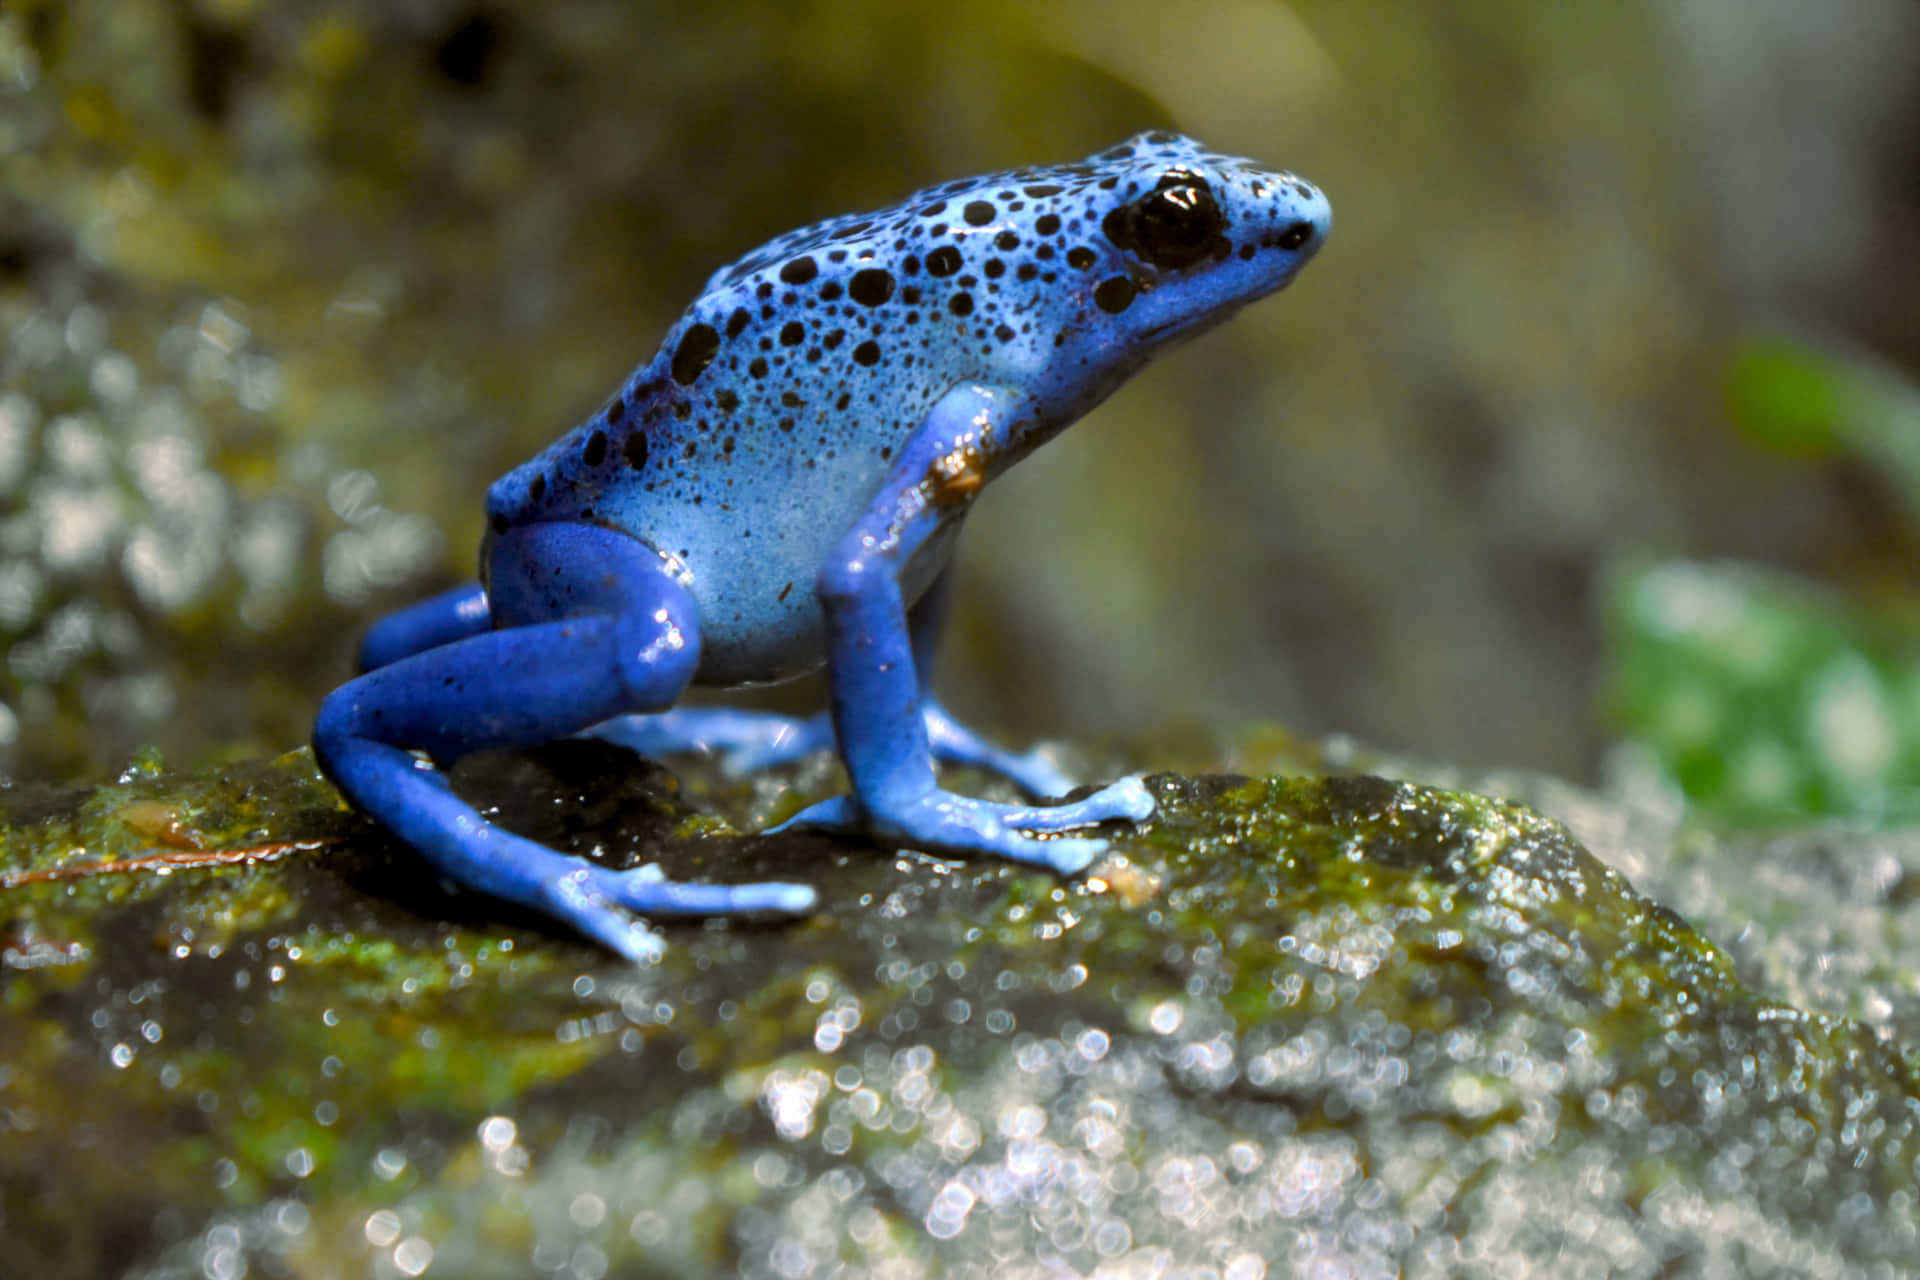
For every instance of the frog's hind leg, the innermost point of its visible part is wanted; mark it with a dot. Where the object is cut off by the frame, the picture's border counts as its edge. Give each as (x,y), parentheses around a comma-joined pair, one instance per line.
(589,626)
(449,616)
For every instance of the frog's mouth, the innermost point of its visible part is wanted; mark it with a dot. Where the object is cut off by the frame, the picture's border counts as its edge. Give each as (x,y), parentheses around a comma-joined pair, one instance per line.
(1178,305)
(1175,318)
(1170,330)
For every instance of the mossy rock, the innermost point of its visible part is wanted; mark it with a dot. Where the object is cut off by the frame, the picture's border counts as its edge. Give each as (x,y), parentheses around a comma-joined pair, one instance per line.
(1341,1019)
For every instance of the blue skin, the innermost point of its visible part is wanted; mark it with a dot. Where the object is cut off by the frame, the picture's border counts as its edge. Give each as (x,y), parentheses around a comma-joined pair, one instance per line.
(781,485)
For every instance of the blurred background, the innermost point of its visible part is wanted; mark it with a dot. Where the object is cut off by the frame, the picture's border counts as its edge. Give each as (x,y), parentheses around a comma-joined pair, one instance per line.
(1591,437)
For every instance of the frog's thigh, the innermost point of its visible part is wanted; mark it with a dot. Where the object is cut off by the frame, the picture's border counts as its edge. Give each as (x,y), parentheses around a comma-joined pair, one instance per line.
(589,626)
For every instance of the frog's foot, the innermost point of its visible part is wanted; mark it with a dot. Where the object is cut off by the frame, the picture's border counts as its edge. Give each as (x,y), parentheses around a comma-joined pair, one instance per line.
(1033,771)
(419,807)
(942,820)
(749,741)
(599,903)
(746,741)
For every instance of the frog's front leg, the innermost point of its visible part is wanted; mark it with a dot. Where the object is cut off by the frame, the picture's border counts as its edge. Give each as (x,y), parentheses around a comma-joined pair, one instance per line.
(878,710)
(951,741)
(586,624)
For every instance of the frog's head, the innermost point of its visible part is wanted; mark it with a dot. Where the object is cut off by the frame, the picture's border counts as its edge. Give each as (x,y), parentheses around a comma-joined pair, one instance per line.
(1187,237)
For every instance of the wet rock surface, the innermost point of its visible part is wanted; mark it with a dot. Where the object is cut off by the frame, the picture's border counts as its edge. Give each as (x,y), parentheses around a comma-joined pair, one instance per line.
(1347,1021)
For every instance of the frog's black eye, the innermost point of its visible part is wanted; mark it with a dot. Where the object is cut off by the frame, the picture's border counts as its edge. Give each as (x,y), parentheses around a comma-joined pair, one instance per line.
(1175,225)
(1294,236)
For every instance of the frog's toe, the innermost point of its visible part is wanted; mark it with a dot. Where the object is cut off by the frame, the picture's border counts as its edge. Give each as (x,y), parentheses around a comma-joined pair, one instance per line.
(1066,855)
(951,742)
(1035,772)
(606,905)
(968,826)
(648,891)
(942,821)
(1127,799)
(578,899)
(837,814)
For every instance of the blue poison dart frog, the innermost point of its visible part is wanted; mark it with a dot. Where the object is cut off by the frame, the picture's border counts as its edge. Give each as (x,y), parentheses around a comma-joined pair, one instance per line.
(781,486)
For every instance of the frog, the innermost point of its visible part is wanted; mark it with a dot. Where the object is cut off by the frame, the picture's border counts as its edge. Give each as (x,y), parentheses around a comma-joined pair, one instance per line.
(781,487)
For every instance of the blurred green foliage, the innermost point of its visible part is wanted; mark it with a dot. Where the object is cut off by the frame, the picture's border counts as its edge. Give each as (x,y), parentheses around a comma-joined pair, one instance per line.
(1803,401)
(1785,398)
(1765,697)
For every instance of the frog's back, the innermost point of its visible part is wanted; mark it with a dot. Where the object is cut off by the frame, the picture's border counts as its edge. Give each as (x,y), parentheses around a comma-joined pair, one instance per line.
(771,413)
